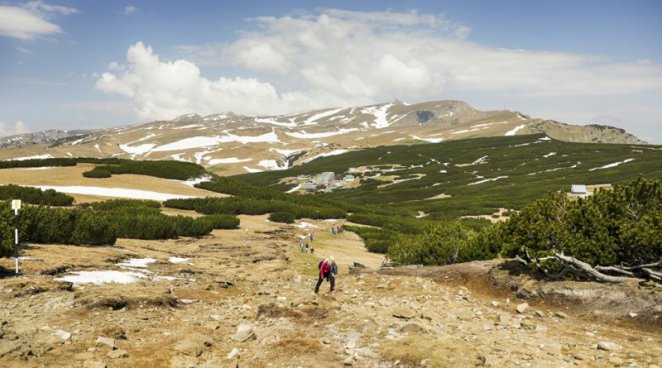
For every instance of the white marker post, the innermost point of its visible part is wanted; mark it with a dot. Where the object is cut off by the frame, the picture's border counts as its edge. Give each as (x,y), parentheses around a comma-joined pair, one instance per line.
(16,206)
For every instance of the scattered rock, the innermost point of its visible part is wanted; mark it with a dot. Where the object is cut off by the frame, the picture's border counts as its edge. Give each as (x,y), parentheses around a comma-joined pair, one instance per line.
(608,346)
(64,335)
(192,345)
(94,364)
(404,313)
(244,333)
(504,318)
(117,354)
(411,328)
(465,315)
(539,313)
(348,362)
(234,353)
(186,301)
(632,314)
(106,341)
(495,304)
(561,315)
(2,333)
(528,324)
(616,361)
(521,308)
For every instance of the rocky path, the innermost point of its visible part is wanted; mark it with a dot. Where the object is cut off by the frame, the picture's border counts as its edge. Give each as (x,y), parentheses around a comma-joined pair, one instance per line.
(244,298)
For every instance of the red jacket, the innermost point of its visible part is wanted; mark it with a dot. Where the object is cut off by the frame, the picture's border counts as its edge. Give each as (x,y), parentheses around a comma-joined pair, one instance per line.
(325,269)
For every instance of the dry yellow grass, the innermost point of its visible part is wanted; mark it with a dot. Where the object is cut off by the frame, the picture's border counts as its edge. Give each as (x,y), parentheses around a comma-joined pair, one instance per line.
(73,176)
(413,350)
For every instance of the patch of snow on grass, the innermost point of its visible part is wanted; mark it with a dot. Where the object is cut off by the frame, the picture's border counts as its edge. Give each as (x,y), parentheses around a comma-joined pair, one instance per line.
(549,154)
(190,126)
(137,262)
(514,130)
(193,182)
(137,150)
(311,120)
(284,152)
(303,135)
(326,154)
(39,168)
(114,192)
(251,170)
(103,277)
(35,157)
(545,138)
(188,143)
(305,225)
(486,180)
(608,166)
(176,260)
(272,165)
(273,121)
(380,115)
(228,160)
(429,140)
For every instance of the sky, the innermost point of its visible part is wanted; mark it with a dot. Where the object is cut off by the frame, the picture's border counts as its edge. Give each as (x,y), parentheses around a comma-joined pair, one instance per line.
(94,64)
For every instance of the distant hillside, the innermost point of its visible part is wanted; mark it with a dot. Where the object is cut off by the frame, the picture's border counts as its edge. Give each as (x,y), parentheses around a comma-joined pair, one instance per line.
(44,137)
(228,143)
(472,176)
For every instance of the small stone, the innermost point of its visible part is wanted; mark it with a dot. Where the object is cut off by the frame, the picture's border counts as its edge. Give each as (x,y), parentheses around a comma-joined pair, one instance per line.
(521,308)
(117,354)
(608,346)
(94,364)
(281,298)
(244,333)
(632,314)
(411,328)
(539,313)
(2,333)
(234,353)
(348,362)
(186,301)
(404,313)
(616,361)
(561,315)
(504,318)
(64,335)
(495,304)
(465,315)
(528,324)
(107,341)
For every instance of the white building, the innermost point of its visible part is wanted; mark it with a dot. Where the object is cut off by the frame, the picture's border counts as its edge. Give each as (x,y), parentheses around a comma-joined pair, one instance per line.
(325,178)
(578,189)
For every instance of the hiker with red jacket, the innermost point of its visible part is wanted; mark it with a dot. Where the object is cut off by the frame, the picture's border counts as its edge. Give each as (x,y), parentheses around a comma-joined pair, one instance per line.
(325,266)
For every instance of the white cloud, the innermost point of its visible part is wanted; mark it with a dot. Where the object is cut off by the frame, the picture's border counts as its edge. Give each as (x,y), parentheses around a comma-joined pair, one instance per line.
(31,20)
(343,58)
(130,10)
(18,128)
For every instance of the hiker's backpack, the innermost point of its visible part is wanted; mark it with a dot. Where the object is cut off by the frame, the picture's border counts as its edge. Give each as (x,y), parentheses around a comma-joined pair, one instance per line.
(319,265)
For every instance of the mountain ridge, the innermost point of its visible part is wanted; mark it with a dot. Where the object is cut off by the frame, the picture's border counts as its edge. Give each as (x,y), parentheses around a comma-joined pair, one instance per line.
(230,143)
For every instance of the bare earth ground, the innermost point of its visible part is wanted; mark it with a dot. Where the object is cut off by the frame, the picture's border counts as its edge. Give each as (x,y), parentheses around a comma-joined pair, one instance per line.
(73,176)
(258,277)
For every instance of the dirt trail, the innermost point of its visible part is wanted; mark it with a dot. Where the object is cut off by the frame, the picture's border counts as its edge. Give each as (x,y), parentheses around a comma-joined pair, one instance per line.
(244,298)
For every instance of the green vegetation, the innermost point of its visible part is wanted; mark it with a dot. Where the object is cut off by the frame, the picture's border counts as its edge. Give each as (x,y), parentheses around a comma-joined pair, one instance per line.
(35,196)
(108,166)
(621,227)
(284,217)
(526,164)
(102,223)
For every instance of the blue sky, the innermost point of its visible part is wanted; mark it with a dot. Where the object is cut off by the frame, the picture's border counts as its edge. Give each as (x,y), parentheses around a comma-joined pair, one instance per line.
(92,64)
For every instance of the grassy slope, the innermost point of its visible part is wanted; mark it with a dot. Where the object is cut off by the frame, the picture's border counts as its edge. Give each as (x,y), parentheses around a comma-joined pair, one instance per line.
(515,157)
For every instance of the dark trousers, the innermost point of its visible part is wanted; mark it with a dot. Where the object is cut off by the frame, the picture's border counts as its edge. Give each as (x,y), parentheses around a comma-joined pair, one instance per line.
(319,282)
(333,282)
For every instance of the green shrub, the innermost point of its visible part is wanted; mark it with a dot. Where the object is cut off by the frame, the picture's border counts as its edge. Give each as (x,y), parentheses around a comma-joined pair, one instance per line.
(98,173)
(283,217)
(618,227)
(93,229)
(35,195)
(222,221)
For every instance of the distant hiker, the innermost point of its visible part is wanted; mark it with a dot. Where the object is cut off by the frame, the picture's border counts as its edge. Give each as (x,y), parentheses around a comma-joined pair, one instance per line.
(312,250)
(311,236)
(325,267)
(333,274)
(307,246)
(333,230)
